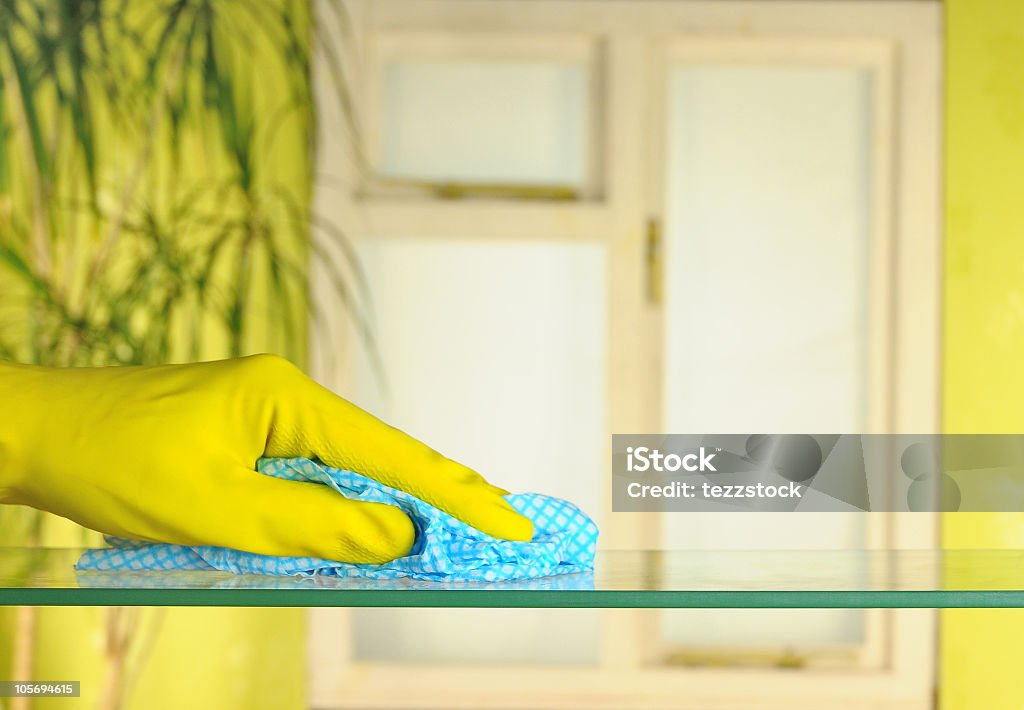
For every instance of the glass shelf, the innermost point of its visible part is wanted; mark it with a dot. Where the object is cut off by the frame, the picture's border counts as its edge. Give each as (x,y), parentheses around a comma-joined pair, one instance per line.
(679,579)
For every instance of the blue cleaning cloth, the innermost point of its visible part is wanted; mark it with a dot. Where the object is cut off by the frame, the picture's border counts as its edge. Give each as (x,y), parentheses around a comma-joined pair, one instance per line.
(446,549)
(215,579)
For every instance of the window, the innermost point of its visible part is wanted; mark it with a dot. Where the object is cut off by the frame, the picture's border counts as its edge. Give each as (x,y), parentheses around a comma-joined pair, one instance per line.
(559,191)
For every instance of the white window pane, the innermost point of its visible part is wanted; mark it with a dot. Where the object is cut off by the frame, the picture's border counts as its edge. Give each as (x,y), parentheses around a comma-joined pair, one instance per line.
(753,629)
(508,122)
(494,354)
(766,297)
(767,250)
(478,636)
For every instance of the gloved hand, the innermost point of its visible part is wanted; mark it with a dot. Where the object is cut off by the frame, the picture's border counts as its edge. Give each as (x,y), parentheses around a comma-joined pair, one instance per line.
(168,453)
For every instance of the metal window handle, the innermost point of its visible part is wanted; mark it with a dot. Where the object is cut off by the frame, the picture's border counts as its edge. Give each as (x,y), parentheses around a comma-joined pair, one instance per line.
(655,267)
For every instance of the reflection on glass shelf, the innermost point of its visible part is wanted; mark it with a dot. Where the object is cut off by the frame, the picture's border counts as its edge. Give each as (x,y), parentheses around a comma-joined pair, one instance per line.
(679,579)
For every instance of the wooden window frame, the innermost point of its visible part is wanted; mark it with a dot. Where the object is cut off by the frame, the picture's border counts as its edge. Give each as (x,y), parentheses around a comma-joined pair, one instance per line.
(633,41)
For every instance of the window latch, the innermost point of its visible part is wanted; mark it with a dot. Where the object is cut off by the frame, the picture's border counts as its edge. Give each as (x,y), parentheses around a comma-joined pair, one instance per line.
(653,260)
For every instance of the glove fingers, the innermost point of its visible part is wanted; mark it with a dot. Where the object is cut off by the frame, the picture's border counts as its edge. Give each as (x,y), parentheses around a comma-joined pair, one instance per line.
(316,422)
(271,516)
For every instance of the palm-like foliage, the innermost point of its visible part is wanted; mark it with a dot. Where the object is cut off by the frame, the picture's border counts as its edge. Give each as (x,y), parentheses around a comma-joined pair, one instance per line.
(155,175)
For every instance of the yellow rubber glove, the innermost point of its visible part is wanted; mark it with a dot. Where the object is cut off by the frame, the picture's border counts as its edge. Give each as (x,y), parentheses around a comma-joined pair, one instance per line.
(168,454)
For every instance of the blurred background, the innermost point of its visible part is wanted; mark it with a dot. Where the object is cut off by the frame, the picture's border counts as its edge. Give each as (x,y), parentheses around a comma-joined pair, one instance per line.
(512,229)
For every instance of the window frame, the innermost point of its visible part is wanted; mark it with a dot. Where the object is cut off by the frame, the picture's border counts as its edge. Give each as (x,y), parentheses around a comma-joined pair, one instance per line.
(633,42)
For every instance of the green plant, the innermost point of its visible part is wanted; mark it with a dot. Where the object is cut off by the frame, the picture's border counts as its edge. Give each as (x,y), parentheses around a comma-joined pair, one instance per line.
(115,247)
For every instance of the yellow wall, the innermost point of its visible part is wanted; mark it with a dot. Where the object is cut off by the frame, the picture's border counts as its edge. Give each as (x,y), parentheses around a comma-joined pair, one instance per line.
(981,650)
